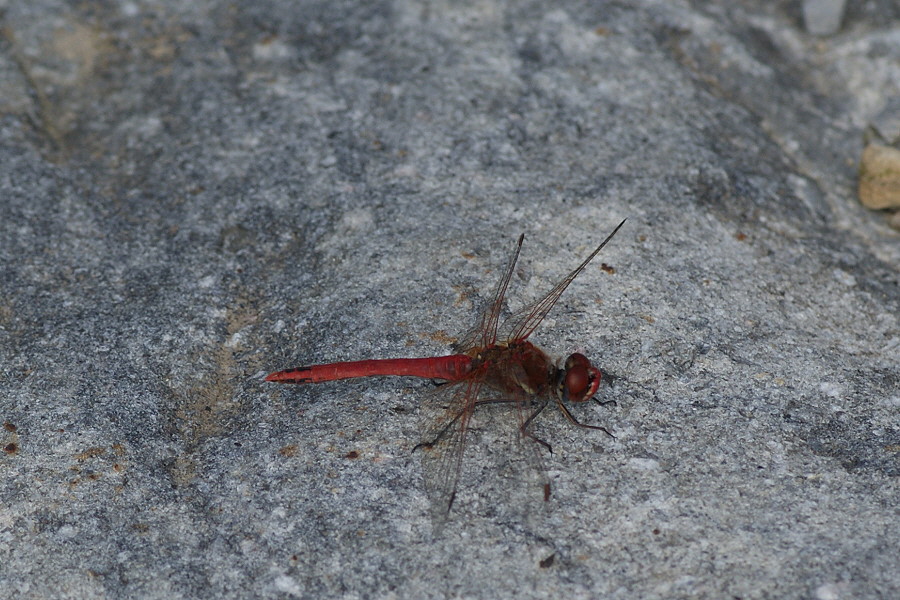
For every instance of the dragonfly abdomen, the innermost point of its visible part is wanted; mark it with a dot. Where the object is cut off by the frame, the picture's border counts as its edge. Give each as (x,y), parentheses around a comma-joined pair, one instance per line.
(450,368)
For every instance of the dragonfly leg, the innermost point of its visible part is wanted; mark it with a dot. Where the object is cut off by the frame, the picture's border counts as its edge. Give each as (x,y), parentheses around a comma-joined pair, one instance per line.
(526,432)
(443,431)
(428,444)
(575,421)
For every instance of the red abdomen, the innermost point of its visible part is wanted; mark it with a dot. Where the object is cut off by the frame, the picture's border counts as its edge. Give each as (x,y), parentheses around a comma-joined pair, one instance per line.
(450,368)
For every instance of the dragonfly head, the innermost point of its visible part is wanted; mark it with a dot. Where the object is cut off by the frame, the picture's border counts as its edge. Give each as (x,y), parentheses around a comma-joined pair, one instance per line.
(579,380)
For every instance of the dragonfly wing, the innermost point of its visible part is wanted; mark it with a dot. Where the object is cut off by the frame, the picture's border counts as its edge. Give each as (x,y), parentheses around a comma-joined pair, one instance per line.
(443,447)
(518,483)
(525,461)
(512,483)
(485,331)
(524,322)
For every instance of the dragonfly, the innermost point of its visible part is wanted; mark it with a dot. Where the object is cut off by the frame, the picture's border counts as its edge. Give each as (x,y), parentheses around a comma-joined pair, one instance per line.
(493,363)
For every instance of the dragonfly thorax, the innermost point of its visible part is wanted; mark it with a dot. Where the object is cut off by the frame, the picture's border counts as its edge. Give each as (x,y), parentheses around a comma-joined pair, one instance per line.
(517,367)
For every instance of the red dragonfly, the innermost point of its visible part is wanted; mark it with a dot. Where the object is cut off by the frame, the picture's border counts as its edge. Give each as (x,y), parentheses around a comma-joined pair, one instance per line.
(494,363)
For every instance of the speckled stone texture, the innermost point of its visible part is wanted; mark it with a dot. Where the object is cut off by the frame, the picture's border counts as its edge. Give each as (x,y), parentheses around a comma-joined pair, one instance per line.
(194,194)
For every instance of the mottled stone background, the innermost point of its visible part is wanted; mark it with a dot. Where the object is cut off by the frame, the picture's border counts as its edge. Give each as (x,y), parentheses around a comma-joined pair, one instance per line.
(193,194)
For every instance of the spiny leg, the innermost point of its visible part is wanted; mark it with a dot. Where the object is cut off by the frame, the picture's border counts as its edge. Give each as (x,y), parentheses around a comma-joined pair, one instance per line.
(575,421)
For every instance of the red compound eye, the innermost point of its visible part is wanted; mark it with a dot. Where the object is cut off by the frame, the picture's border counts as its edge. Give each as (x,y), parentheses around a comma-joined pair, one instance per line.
(581,380)
(577,359)
(577,381)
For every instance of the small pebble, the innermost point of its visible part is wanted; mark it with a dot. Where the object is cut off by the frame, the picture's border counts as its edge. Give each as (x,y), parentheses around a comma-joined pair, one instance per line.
(879,177)
(823,17)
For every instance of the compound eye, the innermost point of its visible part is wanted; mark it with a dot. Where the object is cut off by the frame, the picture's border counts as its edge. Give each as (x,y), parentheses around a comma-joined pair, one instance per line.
(581,380)
(577,359)
(577,381)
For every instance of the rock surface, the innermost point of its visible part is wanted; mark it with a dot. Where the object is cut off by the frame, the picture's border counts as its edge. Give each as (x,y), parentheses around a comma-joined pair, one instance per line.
(194,194)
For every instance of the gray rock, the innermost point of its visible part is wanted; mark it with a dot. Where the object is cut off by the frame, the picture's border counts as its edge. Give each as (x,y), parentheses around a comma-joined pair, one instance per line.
(195,194)
(885,124)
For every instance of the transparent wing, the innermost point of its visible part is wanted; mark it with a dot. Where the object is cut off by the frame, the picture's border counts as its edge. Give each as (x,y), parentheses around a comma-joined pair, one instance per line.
(531,490)
(443,447)
(523,323)
(513,482)
(485,331)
